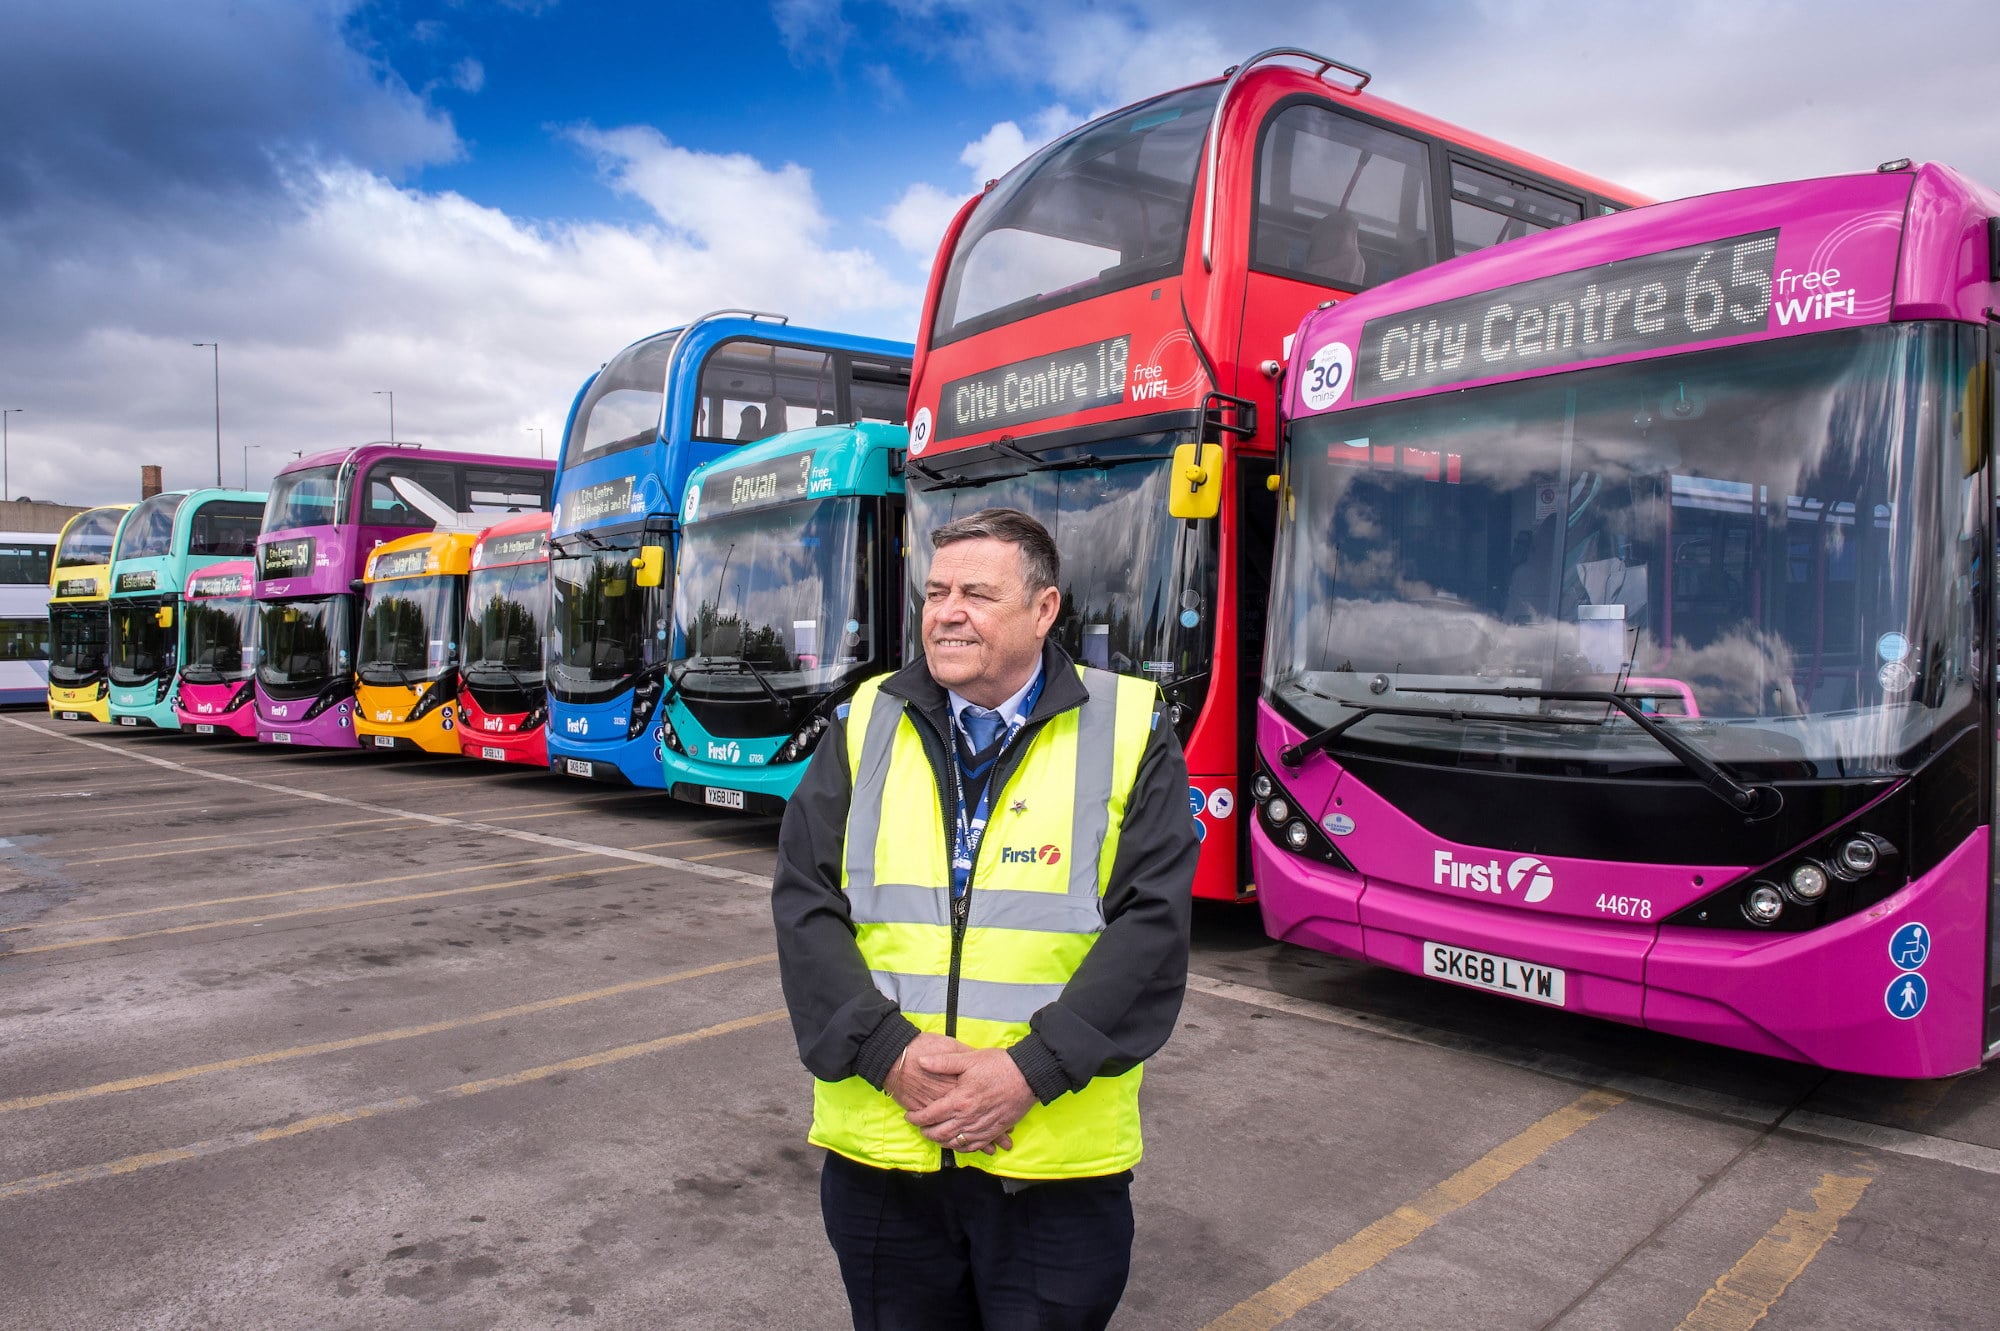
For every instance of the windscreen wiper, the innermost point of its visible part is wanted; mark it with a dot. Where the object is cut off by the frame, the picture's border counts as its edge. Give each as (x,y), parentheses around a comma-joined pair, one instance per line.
(494,668)
(1753,801)
(939,480)
(736,665)
(402,675)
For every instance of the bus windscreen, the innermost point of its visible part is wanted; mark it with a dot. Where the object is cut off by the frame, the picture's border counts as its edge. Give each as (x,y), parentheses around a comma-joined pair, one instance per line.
(1104,208)
(1764,544)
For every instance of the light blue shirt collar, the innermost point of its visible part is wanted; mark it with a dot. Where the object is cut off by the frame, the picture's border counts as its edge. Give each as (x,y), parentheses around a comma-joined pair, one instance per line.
(1010,711)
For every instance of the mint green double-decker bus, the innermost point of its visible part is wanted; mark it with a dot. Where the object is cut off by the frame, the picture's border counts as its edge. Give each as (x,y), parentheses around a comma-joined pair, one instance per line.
(788,594)
(164,540)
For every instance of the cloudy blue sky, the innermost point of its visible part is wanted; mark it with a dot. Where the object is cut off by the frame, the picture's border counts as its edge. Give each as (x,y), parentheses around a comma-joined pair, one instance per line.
(474,202)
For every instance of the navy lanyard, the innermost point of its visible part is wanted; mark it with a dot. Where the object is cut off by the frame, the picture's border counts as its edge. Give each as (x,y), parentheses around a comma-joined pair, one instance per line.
(971,825)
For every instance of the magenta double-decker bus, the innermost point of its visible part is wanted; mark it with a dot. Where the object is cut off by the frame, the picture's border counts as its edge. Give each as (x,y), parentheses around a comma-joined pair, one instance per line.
(220,609)
(325,513)
(1631,640)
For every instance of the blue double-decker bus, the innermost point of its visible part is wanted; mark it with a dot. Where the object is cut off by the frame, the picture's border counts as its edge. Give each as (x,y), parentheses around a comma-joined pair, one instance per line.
(638,429)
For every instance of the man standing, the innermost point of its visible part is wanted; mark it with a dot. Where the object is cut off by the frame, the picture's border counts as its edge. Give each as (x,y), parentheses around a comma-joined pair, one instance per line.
(982,903)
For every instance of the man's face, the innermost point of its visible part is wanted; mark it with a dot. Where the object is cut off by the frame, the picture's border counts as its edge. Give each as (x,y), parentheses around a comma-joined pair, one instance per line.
(982,631)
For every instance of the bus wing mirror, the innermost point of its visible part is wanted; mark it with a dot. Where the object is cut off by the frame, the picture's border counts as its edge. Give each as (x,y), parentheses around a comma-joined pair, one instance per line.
(650,566)
(164,616)
(1195,490)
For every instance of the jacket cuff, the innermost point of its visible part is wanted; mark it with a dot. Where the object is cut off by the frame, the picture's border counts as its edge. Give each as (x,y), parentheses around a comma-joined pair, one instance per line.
(1040,1068)
(884,1045)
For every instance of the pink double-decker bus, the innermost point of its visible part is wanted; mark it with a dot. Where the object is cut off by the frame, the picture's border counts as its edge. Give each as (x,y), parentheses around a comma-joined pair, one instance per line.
(325,513)
(1632,633)
(220,609)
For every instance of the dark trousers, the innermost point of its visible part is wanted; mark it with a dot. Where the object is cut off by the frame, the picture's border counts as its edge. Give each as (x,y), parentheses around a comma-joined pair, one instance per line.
(953,1251)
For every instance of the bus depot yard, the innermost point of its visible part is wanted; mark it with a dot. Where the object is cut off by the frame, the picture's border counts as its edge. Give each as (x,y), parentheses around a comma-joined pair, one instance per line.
(332,1038)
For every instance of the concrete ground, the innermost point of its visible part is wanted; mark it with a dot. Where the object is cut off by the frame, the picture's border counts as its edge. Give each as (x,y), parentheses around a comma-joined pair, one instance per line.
(330,1040)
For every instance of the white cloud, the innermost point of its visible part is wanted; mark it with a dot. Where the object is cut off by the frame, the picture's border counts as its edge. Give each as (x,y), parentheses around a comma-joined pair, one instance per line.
(918,219)
(468,75)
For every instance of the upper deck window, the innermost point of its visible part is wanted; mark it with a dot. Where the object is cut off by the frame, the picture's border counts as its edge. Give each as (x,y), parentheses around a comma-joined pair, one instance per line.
(1340,202)
(880,391)
(1105,208)
(383,507)
(27,564)
(621,410)
(505,490)
(225,527)
(752,390)
(150,529)
(1487,209)
(88,539)
(303,498)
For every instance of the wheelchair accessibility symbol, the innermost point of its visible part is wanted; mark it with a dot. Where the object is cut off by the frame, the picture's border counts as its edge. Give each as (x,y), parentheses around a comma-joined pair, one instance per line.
(1906,996)
(1910,946)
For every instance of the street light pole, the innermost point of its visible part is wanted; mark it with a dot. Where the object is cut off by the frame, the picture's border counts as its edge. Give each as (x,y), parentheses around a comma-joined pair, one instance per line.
(6,488)
(216,348)
(246,463)
(541,441)
(389,393)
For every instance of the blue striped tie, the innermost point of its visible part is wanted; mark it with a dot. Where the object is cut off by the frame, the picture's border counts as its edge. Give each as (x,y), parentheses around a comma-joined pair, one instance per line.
(981,727)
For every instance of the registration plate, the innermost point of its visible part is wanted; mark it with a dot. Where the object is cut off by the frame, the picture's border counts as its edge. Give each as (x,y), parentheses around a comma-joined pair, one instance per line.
(71,716)
(281,737)
(723,798)
(497,755)
(576,766)
(385,741)
(128,720)
(203,728)
(1501,975)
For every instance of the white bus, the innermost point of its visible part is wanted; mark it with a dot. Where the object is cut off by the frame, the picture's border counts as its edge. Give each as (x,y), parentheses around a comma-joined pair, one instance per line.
(25,558)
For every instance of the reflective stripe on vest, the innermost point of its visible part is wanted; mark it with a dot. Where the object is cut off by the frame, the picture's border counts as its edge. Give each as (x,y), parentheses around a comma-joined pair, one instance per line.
(1033,914)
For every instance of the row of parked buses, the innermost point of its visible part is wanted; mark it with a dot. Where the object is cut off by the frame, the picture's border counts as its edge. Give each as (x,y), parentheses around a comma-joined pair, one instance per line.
(1598,617)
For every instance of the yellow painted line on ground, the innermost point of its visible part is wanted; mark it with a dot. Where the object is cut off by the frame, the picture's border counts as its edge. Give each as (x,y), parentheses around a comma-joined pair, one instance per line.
(152,1079)
(725,854)
(133,1164)
(569,803)
(1326,1273)
(267,787)
(217,836)
(1747,1291)
(289,892)
(684,841)
(237,845)
(310,910)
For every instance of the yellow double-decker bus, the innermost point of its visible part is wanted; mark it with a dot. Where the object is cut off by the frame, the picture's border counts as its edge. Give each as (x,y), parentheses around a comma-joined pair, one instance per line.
(80,615)
(412,614)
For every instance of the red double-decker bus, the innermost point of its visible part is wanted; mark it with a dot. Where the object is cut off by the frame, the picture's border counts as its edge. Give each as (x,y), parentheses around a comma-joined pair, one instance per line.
(1104,337)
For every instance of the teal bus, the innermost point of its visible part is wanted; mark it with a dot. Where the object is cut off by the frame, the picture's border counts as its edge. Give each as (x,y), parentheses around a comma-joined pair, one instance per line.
(164,540)
(789,593)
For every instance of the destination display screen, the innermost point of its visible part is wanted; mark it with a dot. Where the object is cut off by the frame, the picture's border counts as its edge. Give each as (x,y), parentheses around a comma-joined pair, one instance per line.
(521,547)
(400,564)
(595,502)
(219,584)
(1055,384)
(779,482)
(1698,293)
(145,580)
(285,559)
(77,587)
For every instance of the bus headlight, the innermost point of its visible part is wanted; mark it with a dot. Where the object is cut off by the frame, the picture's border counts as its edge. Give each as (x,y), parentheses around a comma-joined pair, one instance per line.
(1278,810)
(645,693)
(802,742)
(1297,835)
(1260,787)
(1807,883)
(1763,904)
(1859,857)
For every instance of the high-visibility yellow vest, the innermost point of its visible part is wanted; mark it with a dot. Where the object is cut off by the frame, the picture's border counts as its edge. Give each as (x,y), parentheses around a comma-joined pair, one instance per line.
(1035,911)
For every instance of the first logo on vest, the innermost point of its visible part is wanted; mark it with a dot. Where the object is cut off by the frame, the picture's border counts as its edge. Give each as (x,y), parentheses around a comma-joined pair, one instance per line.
(1031,855)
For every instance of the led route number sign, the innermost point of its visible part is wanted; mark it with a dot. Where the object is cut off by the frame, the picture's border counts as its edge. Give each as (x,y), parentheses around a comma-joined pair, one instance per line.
(1055,384)
(1699,293)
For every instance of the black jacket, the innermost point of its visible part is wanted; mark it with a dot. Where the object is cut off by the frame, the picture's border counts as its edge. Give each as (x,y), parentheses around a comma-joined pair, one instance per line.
(1119,1006)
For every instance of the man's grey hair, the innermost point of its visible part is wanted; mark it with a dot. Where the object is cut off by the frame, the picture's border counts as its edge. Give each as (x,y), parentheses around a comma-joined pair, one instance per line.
(1040,564)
